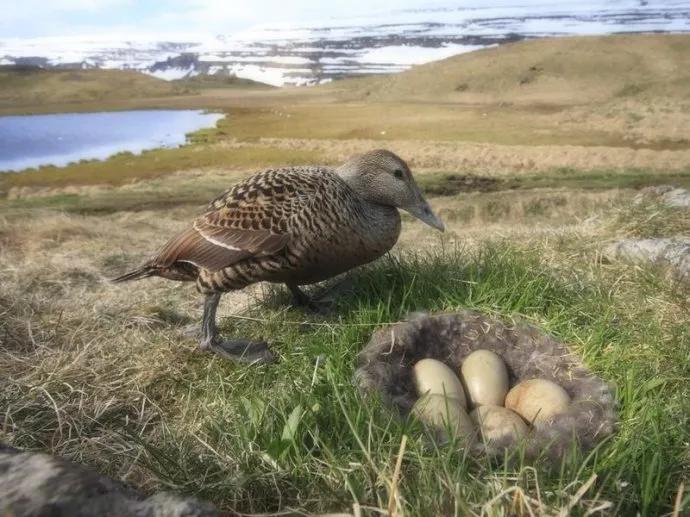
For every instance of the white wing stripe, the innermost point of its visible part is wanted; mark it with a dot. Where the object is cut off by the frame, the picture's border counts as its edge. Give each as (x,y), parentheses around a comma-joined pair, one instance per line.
(219,243)
(216,241)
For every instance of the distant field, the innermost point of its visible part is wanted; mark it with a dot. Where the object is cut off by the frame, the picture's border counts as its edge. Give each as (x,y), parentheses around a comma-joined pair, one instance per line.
(612,90)
(219,81)
(34,90)
(216,149)
(552,73)
(590,103)
(23,89)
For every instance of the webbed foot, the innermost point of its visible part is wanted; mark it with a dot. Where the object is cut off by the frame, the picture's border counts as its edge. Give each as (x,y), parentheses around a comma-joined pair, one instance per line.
(320,307)
(241,351)
(238,350)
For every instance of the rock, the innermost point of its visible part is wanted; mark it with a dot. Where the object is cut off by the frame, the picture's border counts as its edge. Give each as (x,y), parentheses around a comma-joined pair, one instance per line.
(677,197)
(673,253)
(36,484)
(656,190)
(667,194)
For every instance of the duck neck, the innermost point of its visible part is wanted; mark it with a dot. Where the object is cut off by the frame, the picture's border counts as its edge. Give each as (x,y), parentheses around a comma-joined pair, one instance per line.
(361,184)
(378,222)
(367,197)
(353,178)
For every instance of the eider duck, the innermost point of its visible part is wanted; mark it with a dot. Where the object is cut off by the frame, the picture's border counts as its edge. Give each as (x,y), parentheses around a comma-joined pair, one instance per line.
(293,225)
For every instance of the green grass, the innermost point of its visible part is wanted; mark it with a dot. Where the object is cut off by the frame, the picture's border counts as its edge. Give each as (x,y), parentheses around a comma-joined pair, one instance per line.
(298,435)
(125,167)
(159,192)
(219,81)
(115,202)
(36,88)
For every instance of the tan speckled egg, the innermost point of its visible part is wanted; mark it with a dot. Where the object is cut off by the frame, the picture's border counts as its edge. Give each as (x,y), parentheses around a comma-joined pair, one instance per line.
(432,376)
(537,400)
(485,378)
(444,414)
(496,423)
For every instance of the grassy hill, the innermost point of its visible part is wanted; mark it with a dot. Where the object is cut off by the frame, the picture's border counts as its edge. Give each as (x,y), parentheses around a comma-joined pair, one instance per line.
(615,91)
(546,71)
(219,81)
(37,87)
(31,89)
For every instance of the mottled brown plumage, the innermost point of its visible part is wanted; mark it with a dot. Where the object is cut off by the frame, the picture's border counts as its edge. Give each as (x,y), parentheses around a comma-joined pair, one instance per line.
(296,225)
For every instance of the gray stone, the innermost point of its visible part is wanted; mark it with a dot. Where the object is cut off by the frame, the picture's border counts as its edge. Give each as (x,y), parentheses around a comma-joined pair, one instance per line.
(677,197)
(39,485)
(673,253)
(666,194)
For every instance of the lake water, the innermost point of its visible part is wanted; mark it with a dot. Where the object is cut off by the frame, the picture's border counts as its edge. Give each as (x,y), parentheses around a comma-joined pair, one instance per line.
(35,140)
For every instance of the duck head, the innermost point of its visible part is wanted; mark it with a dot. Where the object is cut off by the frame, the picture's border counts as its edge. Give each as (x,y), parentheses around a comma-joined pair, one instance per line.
(384,178)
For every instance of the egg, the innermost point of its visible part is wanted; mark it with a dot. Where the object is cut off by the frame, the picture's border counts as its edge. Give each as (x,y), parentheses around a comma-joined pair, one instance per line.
(444,414)
(537,400)
(485,378)
(432,376)
(496,423)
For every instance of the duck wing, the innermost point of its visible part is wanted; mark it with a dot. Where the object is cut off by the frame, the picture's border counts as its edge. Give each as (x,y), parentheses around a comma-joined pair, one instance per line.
(251,219)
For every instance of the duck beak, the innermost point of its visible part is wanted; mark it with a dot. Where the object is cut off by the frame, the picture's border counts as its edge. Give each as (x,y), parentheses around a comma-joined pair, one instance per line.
(424,213)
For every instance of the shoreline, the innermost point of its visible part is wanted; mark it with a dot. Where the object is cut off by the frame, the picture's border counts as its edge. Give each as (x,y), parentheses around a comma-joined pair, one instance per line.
(103,153)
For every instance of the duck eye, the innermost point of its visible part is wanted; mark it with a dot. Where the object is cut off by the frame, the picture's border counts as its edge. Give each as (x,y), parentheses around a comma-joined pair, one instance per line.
(398,173)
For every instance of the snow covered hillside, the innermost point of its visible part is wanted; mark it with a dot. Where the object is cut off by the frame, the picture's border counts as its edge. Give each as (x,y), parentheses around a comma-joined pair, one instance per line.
(309,53)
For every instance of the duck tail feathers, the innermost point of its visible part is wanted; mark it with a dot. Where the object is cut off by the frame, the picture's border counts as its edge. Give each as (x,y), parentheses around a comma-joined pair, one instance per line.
(143,272)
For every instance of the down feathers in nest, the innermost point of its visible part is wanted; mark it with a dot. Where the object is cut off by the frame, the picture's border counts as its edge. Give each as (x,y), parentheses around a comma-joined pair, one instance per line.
(385,366)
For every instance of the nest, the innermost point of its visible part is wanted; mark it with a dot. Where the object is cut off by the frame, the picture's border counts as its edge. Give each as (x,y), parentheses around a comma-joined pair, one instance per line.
(385,366)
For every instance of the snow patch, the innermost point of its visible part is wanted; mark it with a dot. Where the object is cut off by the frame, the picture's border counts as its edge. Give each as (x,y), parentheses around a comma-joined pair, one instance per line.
(170,74)
(383,41)
(272,75)
(414,55)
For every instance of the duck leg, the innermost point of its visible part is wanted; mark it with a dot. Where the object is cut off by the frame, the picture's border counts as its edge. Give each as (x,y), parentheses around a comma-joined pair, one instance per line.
(301,299)
(239,350)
